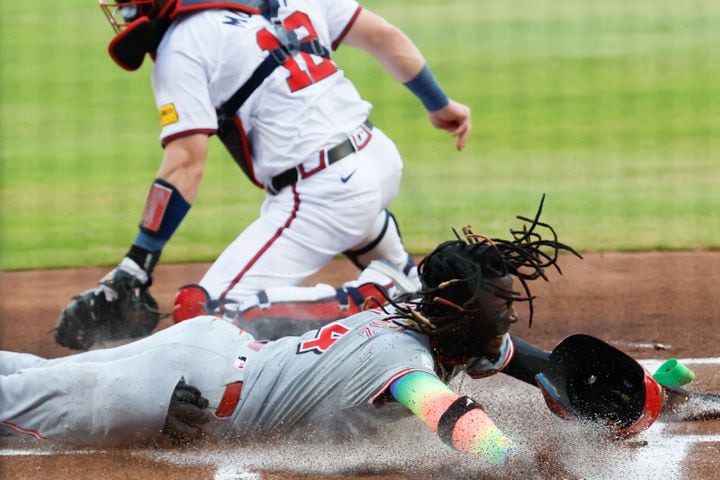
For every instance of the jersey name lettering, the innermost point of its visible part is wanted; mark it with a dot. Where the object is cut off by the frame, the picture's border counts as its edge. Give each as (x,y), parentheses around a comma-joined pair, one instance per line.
(237,19)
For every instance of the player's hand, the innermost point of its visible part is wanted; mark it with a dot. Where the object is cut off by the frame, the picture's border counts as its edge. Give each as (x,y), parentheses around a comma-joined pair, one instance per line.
(186,414)
(453,118)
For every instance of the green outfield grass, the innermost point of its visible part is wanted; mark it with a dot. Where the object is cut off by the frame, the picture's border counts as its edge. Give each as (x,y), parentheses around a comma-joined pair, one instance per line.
(612,108)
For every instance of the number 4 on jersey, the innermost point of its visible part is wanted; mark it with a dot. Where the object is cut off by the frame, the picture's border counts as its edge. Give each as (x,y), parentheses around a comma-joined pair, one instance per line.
(326,336)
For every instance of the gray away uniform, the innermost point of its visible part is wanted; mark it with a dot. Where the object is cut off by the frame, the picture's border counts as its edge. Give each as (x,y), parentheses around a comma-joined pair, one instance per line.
(325,381)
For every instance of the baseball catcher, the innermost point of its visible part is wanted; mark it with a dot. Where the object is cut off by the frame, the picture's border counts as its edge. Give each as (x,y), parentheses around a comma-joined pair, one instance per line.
(296,126)
(204,377)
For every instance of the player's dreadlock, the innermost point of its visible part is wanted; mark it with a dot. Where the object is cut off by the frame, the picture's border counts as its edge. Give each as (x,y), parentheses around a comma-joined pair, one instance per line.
(457,272)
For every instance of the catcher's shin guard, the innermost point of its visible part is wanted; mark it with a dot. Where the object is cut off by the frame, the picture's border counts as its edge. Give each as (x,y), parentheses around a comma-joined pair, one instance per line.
(346,301)
(281,311)
(191,301)
(273,316)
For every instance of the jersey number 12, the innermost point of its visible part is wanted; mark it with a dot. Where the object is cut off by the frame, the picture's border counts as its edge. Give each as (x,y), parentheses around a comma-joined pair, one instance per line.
(298,78)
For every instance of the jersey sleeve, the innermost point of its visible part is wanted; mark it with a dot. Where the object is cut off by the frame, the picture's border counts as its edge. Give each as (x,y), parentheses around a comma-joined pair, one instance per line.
(458,420)
(481,367)
(341,15)
(180,82)
(397,354)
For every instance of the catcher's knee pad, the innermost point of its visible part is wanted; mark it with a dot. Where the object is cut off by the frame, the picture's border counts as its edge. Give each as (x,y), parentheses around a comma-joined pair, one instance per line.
(283,317)
(346,301)
(384,242)
(190,301)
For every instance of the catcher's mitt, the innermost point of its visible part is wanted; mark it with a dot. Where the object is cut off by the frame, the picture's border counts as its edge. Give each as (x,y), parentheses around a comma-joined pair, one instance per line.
(120,307)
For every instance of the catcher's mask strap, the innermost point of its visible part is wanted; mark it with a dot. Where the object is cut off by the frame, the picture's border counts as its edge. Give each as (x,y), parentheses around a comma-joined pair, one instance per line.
(143,35)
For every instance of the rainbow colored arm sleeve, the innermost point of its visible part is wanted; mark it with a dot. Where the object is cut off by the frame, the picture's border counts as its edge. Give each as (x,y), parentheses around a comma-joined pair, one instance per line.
(429,398)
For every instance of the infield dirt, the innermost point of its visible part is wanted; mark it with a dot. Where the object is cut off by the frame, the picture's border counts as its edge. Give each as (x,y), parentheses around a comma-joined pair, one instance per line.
(651,305)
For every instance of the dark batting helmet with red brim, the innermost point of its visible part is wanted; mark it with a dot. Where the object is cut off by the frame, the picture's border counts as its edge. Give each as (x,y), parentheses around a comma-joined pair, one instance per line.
(591,380)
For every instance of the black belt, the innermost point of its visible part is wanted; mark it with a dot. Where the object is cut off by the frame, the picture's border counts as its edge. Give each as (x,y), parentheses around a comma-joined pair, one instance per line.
(336,153)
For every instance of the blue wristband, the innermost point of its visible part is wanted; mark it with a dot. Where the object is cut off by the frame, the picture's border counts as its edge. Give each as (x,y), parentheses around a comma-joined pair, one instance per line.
(165,208)
(428,90)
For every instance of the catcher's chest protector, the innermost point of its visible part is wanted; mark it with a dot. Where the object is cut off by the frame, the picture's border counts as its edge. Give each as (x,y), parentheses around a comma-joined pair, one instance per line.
(230,131)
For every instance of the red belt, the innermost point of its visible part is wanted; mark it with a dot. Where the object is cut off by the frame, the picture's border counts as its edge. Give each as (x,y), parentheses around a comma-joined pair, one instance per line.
(229,401)
(231,397)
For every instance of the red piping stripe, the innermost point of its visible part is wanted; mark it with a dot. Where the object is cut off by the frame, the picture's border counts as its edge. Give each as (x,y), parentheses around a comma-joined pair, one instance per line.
(340,37)
(510,355)
(175,136)
(25,431)
(267,245)
(246,152)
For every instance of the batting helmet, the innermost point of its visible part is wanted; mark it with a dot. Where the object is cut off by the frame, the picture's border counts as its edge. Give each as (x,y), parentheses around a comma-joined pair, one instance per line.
(589,379)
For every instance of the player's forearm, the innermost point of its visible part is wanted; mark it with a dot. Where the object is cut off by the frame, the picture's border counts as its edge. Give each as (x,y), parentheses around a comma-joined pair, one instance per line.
(184,163)
(527,361)
(399,56)
(169,198)
(388,44)
(459,421)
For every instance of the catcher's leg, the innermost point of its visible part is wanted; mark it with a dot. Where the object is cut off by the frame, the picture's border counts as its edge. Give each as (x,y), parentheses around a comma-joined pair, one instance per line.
(303,227)
(306,225)
(282,311)
(383,242)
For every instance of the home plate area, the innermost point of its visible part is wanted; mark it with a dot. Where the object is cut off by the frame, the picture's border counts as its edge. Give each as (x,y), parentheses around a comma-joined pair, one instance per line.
(550,448)
(654,306)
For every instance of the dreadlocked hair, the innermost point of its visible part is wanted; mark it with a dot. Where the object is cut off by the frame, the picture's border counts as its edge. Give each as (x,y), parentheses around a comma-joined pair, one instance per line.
(459,272)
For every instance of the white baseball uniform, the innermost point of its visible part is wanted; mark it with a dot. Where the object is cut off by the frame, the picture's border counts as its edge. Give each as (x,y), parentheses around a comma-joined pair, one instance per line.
(303,109)
(333,380)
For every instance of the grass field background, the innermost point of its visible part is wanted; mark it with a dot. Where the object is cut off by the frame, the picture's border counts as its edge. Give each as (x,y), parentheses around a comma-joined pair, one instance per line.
(612,108)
